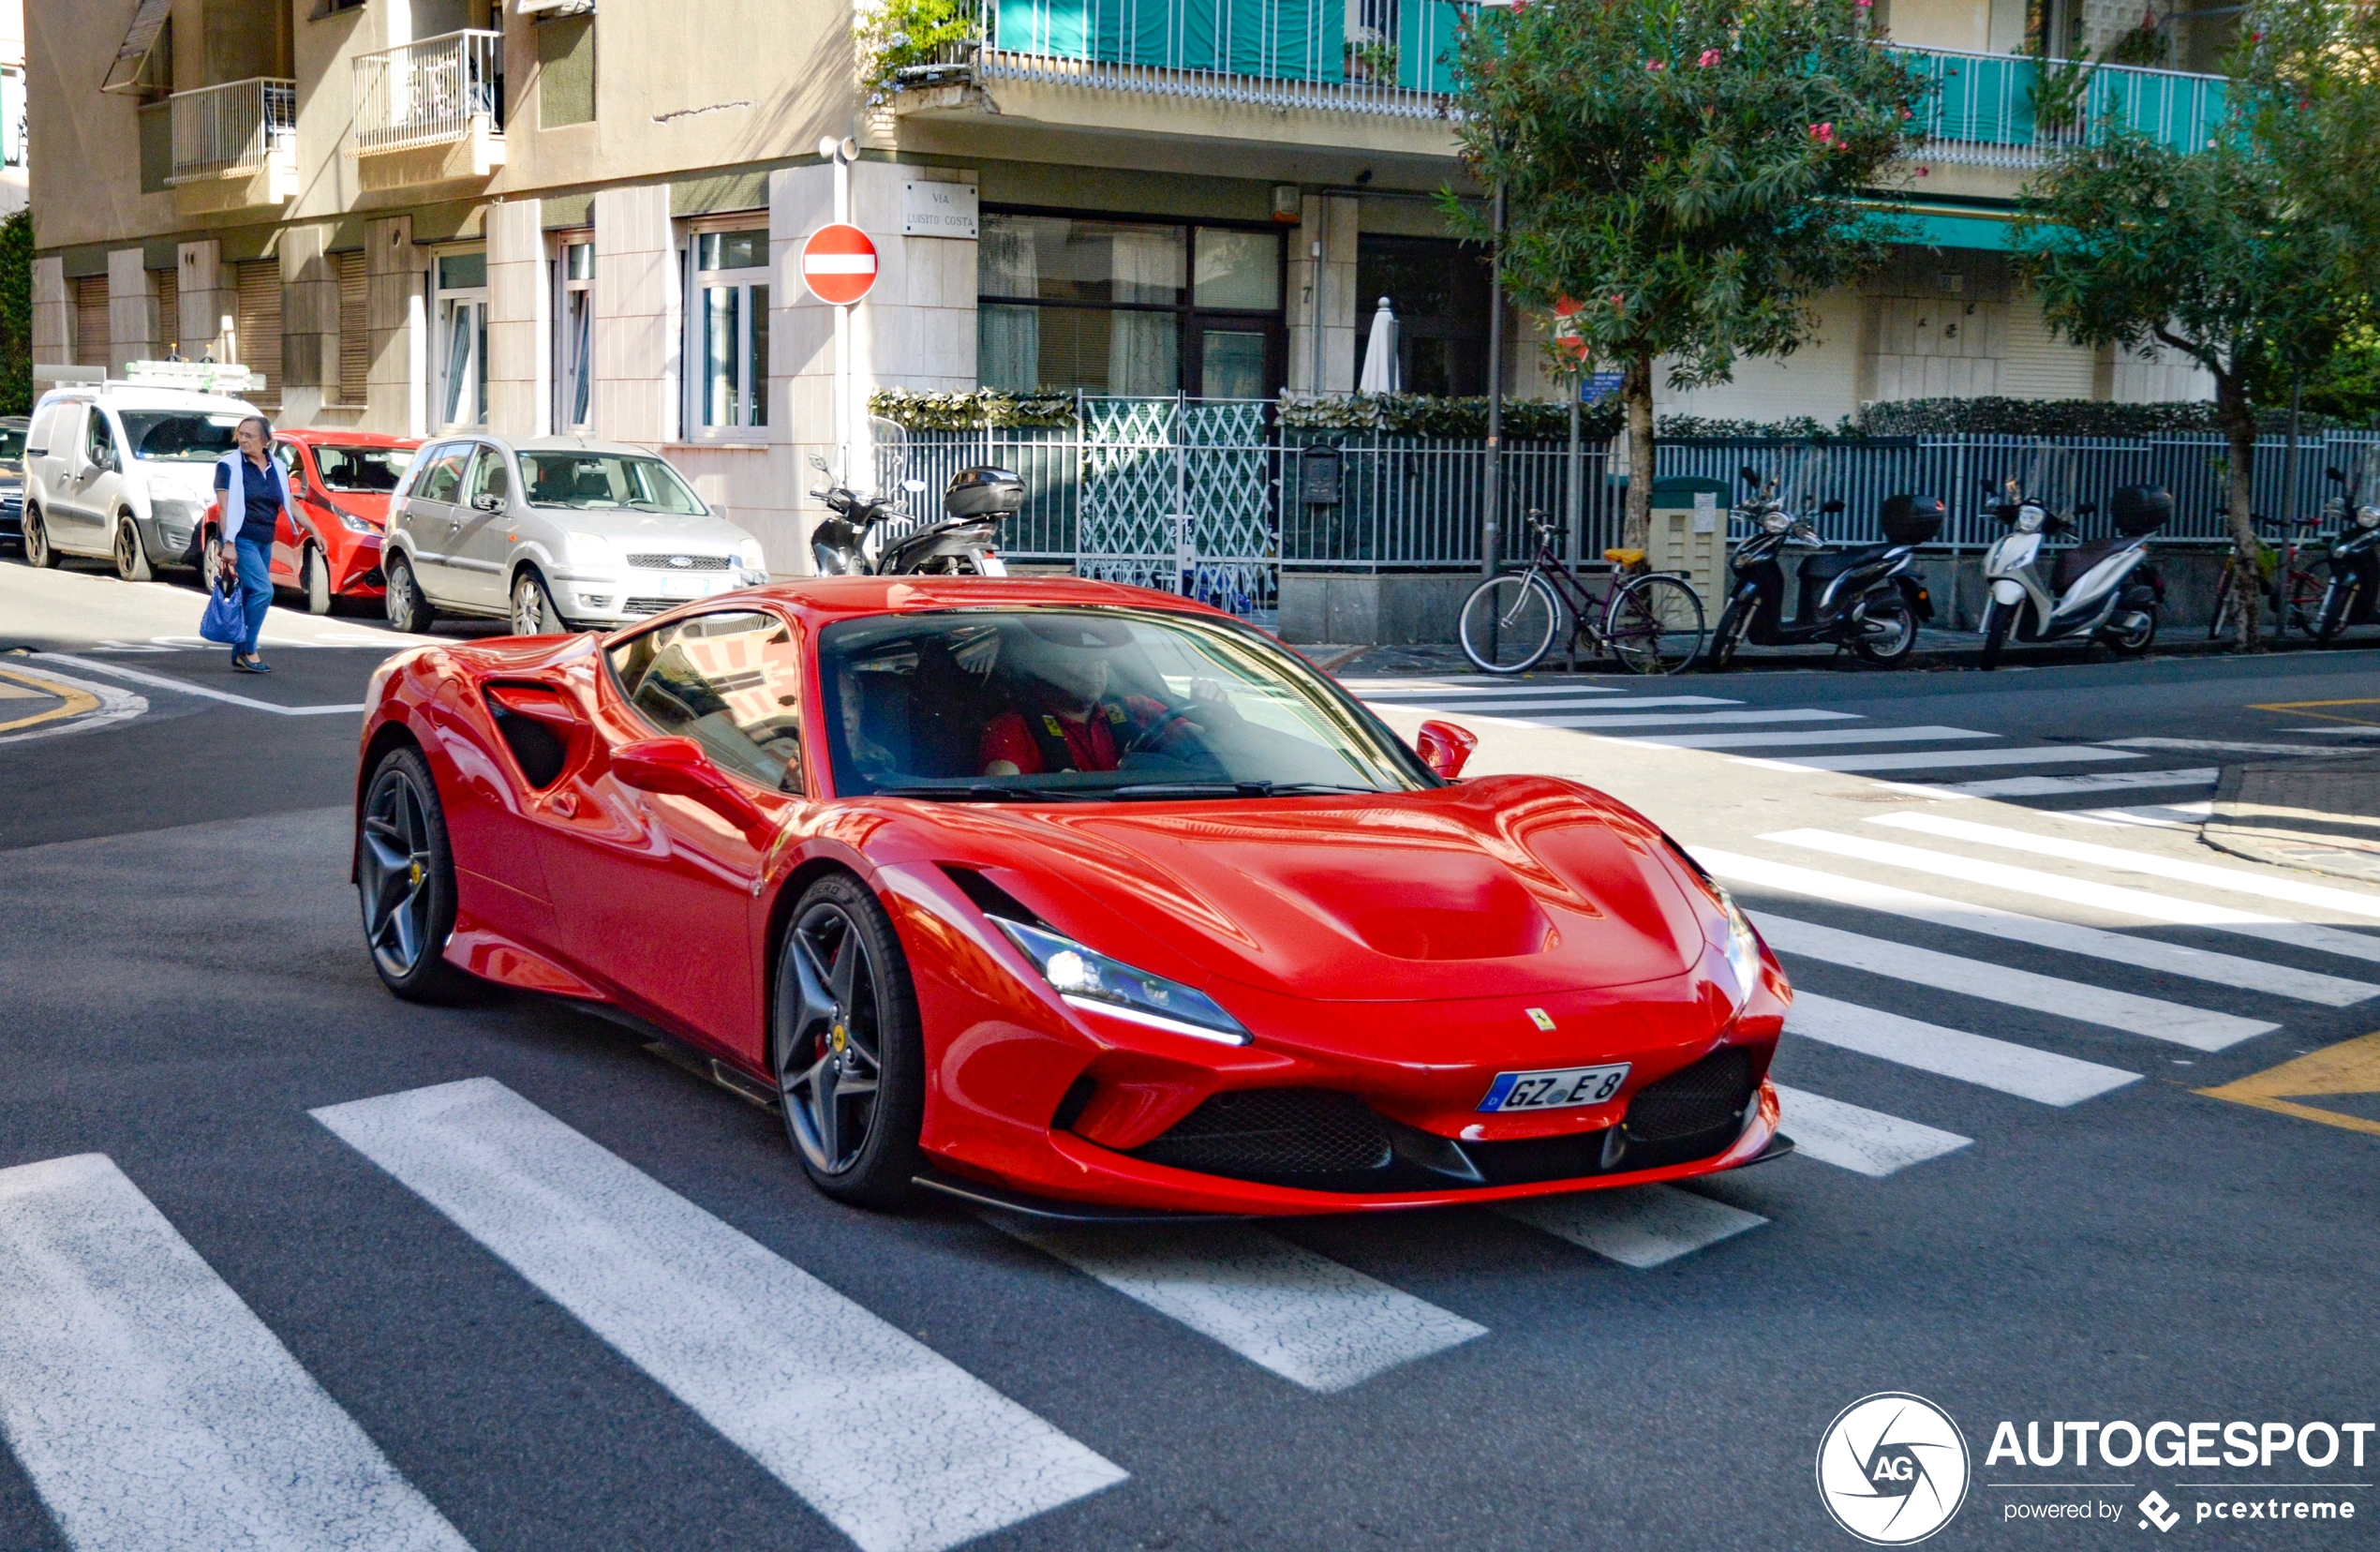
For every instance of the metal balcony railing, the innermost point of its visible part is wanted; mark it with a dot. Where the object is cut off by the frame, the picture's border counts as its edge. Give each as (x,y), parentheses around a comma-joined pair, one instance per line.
(233,129)
(2016,111)
(429,93)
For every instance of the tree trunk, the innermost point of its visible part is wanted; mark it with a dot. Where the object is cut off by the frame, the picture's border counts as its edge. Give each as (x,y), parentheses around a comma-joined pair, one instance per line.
(2239,424)
(1636,397)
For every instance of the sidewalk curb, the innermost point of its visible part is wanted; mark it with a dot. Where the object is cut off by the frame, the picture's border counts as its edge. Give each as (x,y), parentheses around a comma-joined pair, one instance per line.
(2230,830)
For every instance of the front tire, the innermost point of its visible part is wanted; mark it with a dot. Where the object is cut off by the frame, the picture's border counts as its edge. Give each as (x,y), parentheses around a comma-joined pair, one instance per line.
(1733,621)
(405,880)
(534,611)
(131,557)
(39,552)
(2336,610)
(1508,624)
(313,576)
(1654,624)
(1889,646)
(407,610)
(846,1046)
(1997,618)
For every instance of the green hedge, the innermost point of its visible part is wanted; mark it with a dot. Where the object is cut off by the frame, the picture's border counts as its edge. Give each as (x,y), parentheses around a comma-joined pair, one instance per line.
(971,412)
(1426,415)
(2007,417)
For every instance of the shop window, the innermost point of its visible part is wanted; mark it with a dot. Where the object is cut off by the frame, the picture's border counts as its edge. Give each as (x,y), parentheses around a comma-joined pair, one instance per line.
(1438,291)
(727,319)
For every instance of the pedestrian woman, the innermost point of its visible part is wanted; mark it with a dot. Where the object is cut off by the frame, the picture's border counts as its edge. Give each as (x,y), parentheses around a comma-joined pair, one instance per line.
(252,492)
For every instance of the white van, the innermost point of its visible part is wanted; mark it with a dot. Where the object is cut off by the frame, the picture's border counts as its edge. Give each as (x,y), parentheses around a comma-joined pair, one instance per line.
(124,470)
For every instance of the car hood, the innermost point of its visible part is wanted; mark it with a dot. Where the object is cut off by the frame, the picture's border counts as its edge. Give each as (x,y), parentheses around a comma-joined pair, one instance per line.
(1502,887)
(185,481)
(660,528)
(371,505)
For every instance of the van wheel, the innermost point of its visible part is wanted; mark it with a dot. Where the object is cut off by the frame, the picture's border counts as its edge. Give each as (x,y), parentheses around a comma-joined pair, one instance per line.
(38,551)
(132,559)
(314,575)
(407,610)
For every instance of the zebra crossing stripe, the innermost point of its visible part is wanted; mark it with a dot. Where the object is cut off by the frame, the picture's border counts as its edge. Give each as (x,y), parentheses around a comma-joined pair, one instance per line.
(895,1446)
(1401,690)
(1833,736)
(2088,780)
(1920,759)
(1702,719)
(2115,858)
(2171,959)
(2081,891)
(1527,709)
(1865,1142)
(150,1407)
(2201,1029)
(2029,1074)
(1306,1317)
(1642,1226)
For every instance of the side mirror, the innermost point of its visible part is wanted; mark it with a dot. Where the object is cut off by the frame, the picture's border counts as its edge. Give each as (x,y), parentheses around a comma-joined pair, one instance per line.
(1445,748)
(2085,509)
(2338,475)
(1750,476)
(818,463)
(678,768)
(1831,504)
(487,500)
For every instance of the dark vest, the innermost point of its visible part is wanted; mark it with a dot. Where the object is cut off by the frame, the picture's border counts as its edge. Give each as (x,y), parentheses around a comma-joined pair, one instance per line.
(262,495)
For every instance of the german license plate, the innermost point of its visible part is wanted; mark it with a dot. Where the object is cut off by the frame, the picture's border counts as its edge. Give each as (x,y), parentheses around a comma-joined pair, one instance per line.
(1558,1089)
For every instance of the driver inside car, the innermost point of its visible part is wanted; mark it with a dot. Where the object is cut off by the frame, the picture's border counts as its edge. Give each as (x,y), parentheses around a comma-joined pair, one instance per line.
(1064,718)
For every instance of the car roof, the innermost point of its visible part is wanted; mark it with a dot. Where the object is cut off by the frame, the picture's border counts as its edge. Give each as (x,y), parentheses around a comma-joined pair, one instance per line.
(121,396)
(551,444)
(824,598)
(318,436)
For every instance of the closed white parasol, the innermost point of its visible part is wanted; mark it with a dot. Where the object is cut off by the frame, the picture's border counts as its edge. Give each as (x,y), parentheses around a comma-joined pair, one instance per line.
(1380,373)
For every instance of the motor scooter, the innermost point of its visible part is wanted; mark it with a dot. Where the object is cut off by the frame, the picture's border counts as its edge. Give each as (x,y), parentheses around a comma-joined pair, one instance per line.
(2352,596)
(1867,598)
(2104,590)
(873,535)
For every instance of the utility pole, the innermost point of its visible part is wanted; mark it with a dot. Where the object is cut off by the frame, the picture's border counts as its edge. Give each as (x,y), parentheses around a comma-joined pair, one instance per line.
(1492,496)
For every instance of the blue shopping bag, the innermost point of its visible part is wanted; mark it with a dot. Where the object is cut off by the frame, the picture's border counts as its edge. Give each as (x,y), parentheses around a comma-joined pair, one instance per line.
(226,621)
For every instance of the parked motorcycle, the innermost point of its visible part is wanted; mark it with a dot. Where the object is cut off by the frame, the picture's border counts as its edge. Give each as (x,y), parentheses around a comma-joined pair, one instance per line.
(1866,598)
(872,534)
(2352,596)
(2105,590)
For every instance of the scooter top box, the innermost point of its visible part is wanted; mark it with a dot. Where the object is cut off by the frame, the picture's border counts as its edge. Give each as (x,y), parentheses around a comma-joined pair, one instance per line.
(1911,519)
(2141,509)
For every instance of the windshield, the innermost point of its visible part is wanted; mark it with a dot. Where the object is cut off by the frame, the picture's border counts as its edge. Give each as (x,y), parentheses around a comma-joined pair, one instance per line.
(593,481)
(2045,473)
(363,470)
(169,436)
(12,443)
(2366,482)
(1802,483)
(1080,702)
(885,459)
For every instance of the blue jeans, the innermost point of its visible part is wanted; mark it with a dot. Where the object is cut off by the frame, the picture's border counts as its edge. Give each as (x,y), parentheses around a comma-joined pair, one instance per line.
(256,589)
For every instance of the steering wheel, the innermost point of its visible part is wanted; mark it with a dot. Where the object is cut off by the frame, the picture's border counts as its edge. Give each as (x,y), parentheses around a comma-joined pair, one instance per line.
(1155,733)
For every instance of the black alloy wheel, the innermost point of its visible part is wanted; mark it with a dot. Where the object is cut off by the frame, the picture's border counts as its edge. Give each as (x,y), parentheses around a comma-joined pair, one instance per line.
(405,880)
(131,558)
(845,1044)
(39,552)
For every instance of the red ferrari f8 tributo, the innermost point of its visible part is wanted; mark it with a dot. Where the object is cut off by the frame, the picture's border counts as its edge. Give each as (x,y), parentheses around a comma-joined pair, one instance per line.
(1067,897)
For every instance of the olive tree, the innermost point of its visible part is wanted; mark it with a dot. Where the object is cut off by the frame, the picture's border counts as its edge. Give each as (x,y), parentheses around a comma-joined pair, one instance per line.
(2253,254)
(1684,177)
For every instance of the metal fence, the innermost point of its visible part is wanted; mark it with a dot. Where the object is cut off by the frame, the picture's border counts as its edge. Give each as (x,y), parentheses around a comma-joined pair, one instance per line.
(1108,495)
(428,93)
(222,131)
(1985,110)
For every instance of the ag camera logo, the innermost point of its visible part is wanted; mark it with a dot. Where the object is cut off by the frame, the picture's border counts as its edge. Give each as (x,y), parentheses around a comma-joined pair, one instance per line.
(1892,1468)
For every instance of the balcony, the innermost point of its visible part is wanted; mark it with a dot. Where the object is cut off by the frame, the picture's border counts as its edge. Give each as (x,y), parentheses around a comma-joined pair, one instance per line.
(431,112)
(234,147)
(1989,110)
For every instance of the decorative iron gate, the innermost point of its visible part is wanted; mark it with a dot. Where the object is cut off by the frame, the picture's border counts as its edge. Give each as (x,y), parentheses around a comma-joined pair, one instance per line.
(1177,494)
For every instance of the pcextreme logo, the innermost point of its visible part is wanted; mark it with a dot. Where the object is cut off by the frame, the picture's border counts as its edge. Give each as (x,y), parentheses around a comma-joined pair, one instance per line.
(1892,1468)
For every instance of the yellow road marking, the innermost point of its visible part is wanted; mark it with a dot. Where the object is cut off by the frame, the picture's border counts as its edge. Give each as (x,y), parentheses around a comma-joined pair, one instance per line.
(75,702)
(2307,708)
(2351,1067)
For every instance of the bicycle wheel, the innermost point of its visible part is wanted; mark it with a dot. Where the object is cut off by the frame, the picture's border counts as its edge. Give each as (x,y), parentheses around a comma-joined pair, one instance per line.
(1654,624)
(1508,624)
(2304,606)
(2223,622)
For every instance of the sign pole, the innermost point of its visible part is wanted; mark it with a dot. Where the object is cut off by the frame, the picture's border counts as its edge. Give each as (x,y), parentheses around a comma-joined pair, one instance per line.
(842,153)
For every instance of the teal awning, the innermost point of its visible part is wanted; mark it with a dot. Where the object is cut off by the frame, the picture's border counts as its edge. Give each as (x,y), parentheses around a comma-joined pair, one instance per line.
(1990,233)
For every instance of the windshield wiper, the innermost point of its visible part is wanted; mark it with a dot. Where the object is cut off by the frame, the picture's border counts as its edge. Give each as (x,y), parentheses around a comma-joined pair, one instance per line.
(1231,789)
(986,792)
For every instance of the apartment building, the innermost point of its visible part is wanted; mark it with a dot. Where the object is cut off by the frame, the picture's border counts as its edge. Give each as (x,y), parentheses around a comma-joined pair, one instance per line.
(584,215)
(13,193)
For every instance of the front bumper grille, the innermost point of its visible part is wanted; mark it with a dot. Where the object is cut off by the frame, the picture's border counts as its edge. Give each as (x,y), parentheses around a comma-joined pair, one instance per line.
(682,562)
(1254,1133)
(652,606)
(1702,1098)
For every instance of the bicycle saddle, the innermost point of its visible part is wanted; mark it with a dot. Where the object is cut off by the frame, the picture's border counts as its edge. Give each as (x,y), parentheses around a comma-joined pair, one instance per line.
(1623,556)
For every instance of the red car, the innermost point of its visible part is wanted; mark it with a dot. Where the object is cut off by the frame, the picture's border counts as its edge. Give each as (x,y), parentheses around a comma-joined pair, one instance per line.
(1068,897)
(330,546)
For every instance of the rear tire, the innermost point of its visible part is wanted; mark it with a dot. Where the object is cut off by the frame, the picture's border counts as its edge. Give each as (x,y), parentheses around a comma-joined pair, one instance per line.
(2136,645)
(1653,625)
(1508,623)
(1997,618)
(313,576)
(1891,647)
(407,610)
(846,1046)
(39,552)
(405,880)
(131,557)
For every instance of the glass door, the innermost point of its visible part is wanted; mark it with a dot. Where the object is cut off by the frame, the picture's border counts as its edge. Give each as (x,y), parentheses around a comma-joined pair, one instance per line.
(574,336)
(461,339)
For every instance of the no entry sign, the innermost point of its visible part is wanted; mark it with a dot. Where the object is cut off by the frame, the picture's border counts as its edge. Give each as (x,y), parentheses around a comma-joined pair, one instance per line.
(839,264)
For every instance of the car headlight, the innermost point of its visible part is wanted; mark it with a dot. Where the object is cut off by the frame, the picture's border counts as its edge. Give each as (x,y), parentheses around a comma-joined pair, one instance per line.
(353,523)
(2368,516)
(1742,948)
(748,556)
(170,509)
(1088,978)
(589,550)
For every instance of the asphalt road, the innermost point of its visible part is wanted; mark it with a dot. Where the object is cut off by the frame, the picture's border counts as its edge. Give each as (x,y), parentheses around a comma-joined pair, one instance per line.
(2019,1207)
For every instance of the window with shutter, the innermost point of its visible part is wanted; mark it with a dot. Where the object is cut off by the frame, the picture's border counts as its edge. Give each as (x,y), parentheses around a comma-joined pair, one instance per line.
(169,313)
(259,342)
(91,322)
(355,339)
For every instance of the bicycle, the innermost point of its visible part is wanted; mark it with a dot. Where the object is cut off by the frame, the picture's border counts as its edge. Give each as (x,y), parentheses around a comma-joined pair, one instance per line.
(2293,593)
(1652,622)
